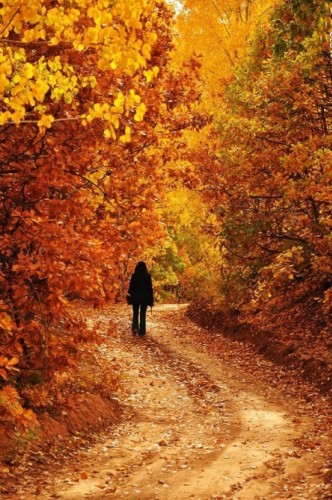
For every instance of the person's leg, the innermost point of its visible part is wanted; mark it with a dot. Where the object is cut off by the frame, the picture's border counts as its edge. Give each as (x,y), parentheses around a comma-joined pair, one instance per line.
(134,326)
(142,320)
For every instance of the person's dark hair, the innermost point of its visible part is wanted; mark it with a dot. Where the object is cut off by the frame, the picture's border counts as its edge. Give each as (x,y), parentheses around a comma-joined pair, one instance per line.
(141,268)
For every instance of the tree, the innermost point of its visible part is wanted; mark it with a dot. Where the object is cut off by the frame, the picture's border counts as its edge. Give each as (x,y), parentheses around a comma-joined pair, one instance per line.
(89,103)
(274,166)
(219,32)
(186,264)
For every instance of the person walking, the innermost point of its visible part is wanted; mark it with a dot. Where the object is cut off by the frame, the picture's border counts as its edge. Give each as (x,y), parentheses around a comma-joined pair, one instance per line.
(141,296)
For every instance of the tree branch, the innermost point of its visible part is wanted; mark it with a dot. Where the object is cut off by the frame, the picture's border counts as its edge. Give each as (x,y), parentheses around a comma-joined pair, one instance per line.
(10,20)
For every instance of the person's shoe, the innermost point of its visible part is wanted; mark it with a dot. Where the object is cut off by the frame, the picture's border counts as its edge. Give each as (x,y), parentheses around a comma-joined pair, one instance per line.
(141,334)
(135,332)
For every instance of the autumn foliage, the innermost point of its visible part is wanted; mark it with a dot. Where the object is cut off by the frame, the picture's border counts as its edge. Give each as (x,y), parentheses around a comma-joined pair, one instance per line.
(201,141)
(263,173)
(266,174)
(89,105)
(274,165)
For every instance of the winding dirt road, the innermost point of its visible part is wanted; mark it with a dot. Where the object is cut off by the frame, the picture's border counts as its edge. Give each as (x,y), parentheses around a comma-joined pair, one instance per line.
(194,426)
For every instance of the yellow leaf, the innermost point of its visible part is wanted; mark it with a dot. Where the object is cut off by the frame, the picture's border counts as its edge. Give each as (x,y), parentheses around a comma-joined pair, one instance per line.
(127,136)
(18,115)
(115,121)
(119,101)
(46,121)
(91,36)
(146,51)
(135,97)
(39,90)
(54,40)
(3,83)
(28,70)
(140,112)
(148,75)
(152,37)
(132,66)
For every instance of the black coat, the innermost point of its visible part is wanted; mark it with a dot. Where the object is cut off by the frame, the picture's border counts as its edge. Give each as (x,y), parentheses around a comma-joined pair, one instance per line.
(140,289)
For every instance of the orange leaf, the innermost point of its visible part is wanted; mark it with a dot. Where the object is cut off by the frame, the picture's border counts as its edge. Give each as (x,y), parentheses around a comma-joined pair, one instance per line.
(13,361)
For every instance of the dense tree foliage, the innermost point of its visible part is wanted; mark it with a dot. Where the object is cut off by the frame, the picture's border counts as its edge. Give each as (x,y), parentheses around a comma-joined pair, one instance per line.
(89,106)
(266,170)
(186,263)
(218,31)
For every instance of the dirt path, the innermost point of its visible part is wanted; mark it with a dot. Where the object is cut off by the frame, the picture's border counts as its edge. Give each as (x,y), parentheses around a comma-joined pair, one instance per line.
(194,427)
